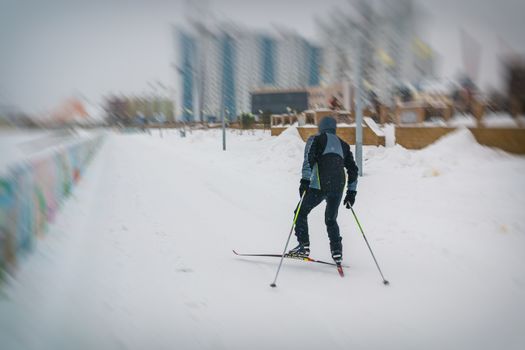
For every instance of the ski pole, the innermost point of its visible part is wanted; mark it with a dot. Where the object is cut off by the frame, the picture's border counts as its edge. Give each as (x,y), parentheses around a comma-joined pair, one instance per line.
(385,282)
(288,240)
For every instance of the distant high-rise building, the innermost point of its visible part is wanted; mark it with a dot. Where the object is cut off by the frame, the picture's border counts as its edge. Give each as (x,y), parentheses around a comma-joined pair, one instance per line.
(269,53)
(220,64)
(313,56)
(187,68)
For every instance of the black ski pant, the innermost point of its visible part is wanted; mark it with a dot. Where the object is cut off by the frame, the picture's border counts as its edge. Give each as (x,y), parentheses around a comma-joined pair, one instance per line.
(312,199)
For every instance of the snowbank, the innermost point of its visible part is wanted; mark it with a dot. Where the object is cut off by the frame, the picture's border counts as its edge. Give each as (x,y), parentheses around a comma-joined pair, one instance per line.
(284,151)
(458,149)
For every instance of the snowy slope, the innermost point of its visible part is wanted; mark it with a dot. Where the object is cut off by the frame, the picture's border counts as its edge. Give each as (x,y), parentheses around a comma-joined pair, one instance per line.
(141,257)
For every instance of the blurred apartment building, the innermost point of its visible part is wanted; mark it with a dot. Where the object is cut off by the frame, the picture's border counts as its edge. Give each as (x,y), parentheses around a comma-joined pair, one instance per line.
(221,64)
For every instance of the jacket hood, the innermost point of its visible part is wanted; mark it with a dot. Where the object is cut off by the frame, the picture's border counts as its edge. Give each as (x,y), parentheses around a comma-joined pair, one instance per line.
(328,124)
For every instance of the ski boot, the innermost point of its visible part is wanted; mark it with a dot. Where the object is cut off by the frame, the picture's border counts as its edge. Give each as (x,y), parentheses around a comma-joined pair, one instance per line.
(337,255)
(337,252)
(301,251)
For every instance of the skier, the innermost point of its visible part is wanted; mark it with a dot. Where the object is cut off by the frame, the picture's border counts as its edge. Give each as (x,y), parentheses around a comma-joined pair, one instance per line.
(323,178)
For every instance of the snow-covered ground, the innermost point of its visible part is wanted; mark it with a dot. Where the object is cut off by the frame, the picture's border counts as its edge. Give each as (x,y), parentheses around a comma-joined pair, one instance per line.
(140,257)
(490,120)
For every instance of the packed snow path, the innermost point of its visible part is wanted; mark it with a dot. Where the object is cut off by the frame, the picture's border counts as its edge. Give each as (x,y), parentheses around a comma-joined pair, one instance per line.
(140,257)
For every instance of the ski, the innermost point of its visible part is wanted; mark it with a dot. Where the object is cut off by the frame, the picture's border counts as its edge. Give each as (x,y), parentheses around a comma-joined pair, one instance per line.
(340,270)
(307,259)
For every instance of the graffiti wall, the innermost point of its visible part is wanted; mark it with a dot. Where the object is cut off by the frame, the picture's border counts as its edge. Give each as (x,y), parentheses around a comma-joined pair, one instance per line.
(31,194)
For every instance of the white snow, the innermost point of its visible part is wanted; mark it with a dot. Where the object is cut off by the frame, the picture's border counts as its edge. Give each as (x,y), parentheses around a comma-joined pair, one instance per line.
(140,257)
(373,125)
(461,120)
(490,120)
(390,134)
(500,120)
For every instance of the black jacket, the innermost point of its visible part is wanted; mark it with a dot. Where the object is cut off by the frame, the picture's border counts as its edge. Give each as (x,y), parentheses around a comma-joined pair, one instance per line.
(325,158)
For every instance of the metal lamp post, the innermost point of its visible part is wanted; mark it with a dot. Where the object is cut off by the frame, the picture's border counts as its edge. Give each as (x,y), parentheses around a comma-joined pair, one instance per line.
(224,128)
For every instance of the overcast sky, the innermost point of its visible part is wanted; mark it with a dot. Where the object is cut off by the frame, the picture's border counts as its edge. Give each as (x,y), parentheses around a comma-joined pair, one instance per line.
(52,49)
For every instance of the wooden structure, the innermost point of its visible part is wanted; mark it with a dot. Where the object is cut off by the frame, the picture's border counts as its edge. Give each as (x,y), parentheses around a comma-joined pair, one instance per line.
(310,117)
(418,113)
(283,119)
(508,139)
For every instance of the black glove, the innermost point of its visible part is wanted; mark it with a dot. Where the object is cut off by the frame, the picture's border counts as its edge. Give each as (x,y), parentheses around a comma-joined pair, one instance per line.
(305,184)
(349,199)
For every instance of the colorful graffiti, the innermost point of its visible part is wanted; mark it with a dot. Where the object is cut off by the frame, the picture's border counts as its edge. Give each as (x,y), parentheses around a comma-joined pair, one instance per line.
(31,194)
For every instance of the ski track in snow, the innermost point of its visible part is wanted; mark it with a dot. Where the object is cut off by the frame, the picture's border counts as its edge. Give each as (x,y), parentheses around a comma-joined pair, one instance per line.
(140,256)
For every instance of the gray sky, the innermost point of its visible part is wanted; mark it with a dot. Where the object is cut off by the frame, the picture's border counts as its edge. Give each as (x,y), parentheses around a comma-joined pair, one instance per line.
(53,49)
